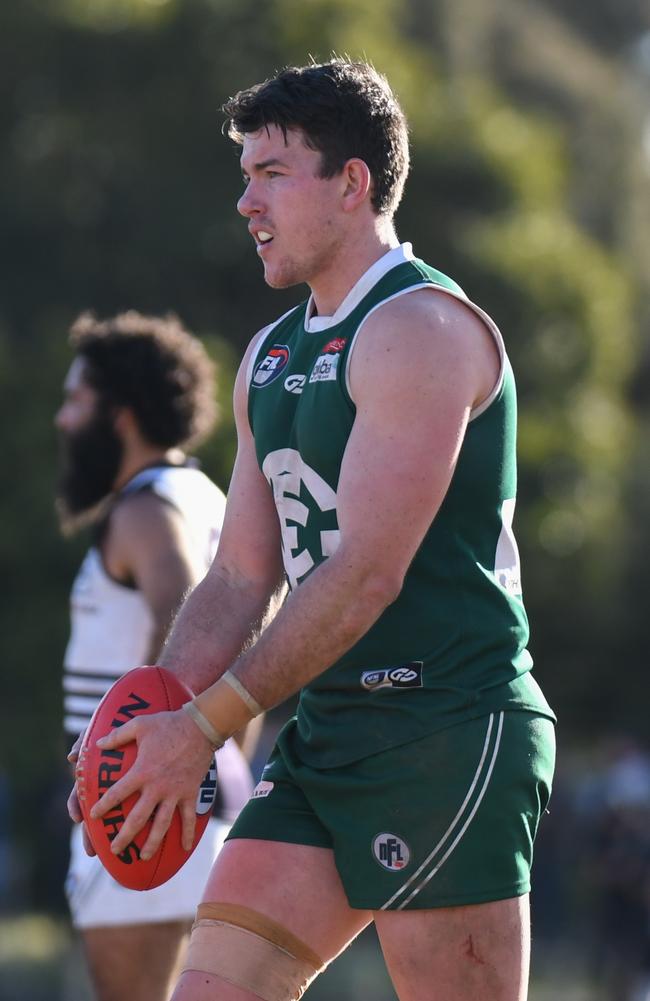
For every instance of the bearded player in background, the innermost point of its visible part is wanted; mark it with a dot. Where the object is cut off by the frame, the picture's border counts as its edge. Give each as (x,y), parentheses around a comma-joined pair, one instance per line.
(139,391)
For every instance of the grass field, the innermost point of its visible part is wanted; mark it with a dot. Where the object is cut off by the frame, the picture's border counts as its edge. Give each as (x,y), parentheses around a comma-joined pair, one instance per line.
(40,961)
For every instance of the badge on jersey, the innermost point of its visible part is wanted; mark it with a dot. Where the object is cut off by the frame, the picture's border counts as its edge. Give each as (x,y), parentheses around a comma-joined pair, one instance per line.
(327,363)
(271,366)
(295,383)
(404,676)
(262,790)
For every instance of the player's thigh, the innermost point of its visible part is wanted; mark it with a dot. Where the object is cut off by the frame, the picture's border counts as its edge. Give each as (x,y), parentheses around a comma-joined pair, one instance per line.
(295,885)
(478,951)
(138,962)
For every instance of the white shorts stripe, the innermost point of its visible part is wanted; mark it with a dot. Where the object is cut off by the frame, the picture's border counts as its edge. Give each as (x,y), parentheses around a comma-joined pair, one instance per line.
(451,830)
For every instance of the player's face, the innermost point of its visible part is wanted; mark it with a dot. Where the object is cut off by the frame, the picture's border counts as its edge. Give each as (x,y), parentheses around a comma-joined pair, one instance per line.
(91,449)
(293,214)
(79,401)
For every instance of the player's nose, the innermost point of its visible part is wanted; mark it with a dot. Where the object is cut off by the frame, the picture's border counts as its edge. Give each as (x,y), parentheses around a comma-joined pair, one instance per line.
(249,203)
(62,419)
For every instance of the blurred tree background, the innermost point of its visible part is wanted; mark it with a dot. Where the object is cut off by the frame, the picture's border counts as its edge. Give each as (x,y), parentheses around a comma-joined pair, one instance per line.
(530,185)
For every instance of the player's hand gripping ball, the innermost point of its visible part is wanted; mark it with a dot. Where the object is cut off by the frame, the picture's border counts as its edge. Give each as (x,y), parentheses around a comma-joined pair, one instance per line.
(145,690)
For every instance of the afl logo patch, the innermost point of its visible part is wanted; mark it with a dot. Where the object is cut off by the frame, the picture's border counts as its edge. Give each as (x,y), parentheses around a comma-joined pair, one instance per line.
(391,852)
(207,790)
(271,366)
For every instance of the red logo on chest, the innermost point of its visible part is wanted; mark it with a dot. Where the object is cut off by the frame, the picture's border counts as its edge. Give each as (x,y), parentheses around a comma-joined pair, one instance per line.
(334,346)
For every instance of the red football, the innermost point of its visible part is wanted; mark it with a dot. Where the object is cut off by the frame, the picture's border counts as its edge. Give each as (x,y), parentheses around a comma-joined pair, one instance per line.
(140,692)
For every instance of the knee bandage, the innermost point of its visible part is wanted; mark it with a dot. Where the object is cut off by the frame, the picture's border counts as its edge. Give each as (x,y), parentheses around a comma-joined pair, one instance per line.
(250,951)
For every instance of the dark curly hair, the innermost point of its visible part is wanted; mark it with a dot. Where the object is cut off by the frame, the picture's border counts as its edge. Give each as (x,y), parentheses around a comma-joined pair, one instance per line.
(344,109)
(154,366)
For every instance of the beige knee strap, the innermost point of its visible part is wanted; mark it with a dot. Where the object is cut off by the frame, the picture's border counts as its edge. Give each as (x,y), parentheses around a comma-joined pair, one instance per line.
(249,950)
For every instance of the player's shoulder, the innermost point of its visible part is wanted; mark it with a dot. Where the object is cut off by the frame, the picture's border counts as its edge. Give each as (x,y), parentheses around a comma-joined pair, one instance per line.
(429,313)
(428,334)
(171,487)
(142,512)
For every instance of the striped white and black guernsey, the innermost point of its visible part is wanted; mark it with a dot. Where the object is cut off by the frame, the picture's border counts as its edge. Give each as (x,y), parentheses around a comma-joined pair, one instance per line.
(111,624)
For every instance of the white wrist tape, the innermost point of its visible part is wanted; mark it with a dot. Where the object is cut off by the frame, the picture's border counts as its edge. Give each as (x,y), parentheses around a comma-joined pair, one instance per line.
(205,726)
(243,693)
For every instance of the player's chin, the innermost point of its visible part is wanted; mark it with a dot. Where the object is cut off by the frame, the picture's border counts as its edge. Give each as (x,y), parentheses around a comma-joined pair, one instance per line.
(280,278)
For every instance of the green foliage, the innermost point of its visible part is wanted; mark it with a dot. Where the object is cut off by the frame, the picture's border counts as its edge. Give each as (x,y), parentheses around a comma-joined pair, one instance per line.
(114,15)
(218,453)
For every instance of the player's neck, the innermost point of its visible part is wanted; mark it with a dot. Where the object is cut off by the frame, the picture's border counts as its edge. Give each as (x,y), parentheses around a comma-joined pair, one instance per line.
(352,261)
(136,459)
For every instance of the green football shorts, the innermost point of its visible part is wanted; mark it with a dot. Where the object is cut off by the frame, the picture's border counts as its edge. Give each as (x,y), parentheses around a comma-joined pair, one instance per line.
(439,822)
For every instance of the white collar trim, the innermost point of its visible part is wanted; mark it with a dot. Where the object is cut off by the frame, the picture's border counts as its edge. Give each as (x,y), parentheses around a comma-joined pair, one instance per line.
(390,260)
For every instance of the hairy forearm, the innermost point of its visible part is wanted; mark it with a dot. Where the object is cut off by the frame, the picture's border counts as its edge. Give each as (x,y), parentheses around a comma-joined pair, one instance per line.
(216,622)
(319,622)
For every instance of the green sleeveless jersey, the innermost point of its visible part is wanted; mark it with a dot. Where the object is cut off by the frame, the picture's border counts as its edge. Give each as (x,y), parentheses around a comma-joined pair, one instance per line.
(452,646)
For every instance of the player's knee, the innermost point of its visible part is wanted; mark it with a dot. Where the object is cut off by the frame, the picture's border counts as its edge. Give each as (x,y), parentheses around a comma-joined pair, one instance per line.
(251,951)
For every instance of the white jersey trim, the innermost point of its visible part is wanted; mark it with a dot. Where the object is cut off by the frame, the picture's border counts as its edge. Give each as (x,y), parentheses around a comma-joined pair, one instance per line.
(391,259)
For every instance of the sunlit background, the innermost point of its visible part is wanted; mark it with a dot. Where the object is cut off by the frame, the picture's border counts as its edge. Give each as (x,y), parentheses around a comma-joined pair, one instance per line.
(531,186)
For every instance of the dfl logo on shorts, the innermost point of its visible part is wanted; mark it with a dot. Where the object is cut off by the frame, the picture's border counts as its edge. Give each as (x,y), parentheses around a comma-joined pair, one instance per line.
(391,852)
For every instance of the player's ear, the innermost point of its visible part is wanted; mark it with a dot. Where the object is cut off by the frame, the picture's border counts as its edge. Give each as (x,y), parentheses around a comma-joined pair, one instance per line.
(124,421)
(357,184)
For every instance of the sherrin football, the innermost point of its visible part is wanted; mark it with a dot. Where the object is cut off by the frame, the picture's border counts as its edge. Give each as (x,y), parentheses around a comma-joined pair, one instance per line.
(142,691)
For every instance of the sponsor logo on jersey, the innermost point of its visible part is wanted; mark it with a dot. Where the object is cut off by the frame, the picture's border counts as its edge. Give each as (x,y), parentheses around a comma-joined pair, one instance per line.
(207,790)
(271,366)
(391,852)
(295,383)
(325,368)
(404,676)
(333,347)
(262,789)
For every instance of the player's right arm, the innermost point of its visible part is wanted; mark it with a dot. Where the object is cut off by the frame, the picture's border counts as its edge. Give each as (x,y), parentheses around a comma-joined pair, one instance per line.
(238,594)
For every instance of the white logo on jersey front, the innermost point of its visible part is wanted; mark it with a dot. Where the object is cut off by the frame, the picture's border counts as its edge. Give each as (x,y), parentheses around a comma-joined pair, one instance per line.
(286,471)
(391,852)
(295,383)
(325,368)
